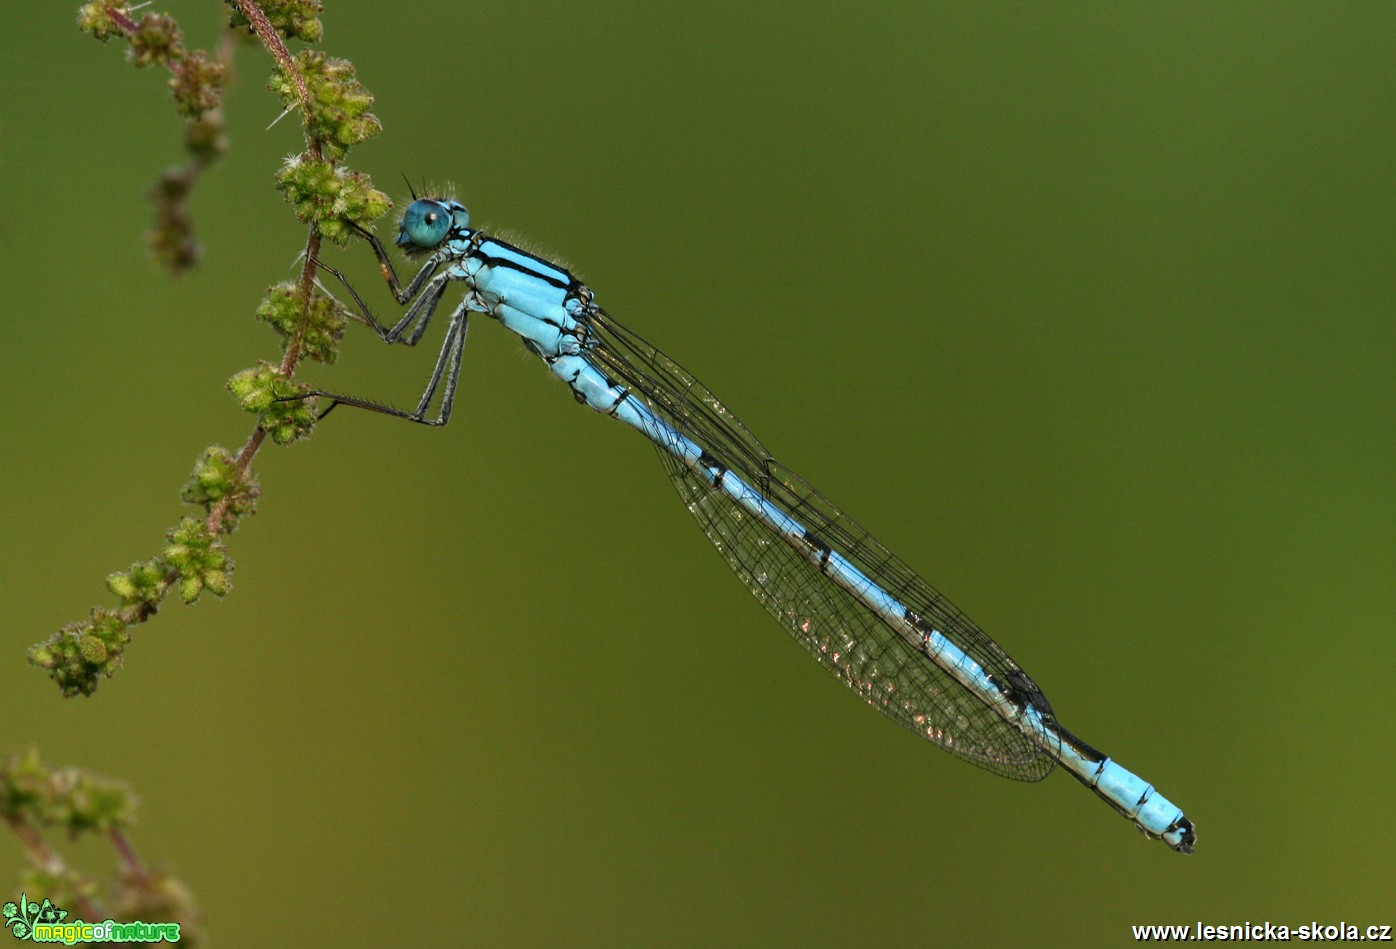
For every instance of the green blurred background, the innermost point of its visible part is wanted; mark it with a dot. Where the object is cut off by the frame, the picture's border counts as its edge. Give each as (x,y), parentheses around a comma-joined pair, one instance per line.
(1084,309)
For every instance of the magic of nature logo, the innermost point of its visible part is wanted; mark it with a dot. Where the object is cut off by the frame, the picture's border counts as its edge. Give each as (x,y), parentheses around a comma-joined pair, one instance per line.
(44,922)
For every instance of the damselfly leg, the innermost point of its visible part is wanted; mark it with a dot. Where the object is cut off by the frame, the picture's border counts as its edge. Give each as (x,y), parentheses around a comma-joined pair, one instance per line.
(427,287)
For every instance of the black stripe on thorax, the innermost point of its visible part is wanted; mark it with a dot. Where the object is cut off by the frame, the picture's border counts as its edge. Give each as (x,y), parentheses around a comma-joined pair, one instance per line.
(479,239)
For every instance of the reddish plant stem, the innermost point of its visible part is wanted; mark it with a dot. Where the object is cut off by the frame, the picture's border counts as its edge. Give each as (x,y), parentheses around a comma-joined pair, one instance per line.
(272,41)
(35,847)
(121,19)
(41,855)
(130,862)
(267,34)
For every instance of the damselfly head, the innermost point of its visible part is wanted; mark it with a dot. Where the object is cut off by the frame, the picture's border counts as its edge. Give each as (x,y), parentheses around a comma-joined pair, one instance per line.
(428,222)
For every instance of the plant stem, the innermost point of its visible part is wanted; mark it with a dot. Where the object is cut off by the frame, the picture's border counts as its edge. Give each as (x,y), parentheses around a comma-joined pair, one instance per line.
(267,33)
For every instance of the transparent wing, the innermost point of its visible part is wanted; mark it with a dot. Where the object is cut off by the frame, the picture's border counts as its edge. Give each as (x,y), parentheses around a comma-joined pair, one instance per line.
(889,670)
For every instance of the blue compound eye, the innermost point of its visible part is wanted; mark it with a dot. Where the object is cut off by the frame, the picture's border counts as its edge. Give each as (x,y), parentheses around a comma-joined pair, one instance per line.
(424,224)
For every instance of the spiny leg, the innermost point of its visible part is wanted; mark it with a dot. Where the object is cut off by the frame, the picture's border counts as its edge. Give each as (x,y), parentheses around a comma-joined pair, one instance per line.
(427,287)
(421,309)
(447,365)
(385,264)
(452,351)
